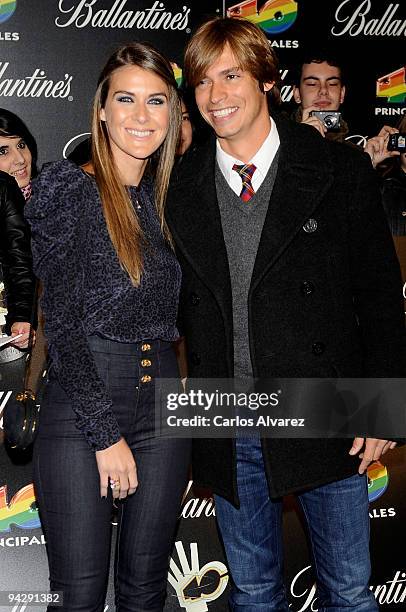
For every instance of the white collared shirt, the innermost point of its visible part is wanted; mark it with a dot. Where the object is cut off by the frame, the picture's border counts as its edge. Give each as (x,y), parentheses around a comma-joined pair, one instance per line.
(262,159)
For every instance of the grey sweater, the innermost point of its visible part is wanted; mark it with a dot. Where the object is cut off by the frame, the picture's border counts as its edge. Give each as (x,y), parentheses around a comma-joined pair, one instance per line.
(242,224)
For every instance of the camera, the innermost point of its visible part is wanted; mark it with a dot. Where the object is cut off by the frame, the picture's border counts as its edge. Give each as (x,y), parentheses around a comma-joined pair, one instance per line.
(397,142)
(330,119)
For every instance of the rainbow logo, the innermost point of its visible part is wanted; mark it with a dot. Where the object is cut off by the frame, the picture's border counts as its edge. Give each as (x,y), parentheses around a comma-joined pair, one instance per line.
(378,479)
(274,17)
(21,510)
(392,86)
(177,73)
(7,8)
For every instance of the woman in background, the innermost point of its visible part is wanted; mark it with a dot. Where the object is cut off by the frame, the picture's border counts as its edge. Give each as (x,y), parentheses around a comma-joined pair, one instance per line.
(393,188)
(18,153)
(186,132)
(111,282)
(16,261)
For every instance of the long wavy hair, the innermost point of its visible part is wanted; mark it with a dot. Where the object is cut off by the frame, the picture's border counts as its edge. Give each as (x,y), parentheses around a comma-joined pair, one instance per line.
(121,219)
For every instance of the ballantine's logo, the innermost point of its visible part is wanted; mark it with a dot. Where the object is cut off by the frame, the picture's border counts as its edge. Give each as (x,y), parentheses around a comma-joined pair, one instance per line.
(33,86)
(356,23)
(391,592)
(195,586)
(73,143)
(82,14)
(274,17)
(392,86)
(196,507)
(7,8)
(378,479)
(19,511)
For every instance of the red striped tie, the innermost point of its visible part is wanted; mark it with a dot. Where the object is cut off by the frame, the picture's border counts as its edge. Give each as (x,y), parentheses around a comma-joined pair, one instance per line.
(246,173)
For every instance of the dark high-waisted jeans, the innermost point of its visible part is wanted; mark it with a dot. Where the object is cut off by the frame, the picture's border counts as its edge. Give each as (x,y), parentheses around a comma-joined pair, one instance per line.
(76,521)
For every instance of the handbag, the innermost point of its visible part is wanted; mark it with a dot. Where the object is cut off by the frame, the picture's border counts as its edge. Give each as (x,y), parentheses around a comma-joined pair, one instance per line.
(21,413)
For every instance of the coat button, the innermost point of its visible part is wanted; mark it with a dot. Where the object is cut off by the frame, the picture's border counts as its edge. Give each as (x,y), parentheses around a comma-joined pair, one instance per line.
(307,288)
(146,379)
(145,347)
(195,359)
(195,299)
(310,226)
(318,348)
(146,363)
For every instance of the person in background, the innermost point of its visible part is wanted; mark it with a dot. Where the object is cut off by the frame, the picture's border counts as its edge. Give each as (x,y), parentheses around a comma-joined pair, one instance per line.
(111,282)
(186,133)
(16,261)
(321,86)
(18,151)
(393,187)
(18,154)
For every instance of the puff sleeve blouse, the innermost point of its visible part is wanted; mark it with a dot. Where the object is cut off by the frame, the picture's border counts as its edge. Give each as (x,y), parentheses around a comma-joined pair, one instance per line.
(87,292)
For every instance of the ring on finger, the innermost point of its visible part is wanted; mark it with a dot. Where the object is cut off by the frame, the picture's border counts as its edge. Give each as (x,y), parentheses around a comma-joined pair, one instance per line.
(114,484)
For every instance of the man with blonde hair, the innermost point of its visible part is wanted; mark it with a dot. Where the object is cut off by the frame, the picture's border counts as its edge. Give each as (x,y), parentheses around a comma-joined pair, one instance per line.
(288,271)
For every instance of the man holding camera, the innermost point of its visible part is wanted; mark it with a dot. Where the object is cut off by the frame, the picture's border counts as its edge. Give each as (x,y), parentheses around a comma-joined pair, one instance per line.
(320,92)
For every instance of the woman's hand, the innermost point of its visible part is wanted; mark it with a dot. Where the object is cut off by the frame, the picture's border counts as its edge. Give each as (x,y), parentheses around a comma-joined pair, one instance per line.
(377,147)
(116,463)
(21,328)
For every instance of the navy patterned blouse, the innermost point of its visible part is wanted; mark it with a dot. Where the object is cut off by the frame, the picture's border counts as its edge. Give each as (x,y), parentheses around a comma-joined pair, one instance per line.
(87,292)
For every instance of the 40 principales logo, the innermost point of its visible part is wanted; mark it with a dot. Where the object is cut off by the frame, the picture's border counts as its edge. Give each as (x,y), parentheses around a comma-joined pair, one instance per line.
(274,16)
(196,586)
(392,86)
(177,73)
(20,511)
(378,480)
(7,8)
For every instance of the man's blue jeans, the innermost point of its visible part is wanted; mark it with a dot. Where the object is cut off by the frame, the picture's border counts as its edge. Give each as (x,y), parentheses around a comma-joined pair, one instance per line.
(338,521)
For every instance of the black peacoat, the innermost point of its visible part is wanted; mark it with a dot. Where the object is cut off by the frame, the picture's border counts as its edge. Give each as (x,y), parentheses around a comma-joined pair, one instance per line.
(322,303)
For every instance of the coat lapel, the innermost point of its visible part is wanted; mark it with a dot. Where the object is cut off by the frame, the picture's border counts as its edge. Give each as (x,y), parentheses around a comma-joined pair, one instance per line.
(303,178)
(194,219)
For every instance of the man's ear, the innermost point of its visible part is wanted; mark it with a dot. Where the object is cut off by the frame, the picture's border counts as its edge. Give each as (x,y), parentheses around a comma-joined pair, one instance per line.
(342,94)
(296,95)
(102,114)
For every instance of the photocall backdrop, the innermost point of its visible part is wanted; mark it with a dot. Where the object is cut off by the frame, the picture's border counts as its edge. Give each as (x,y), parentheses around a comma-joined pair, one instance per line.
(51,54)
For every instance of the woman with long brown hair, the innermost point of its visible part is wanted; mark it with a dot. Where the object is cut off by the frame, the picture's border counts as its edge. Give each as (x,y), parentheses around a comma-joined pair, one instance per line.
(111,284)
